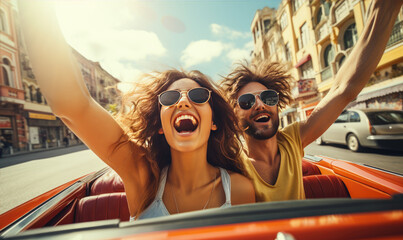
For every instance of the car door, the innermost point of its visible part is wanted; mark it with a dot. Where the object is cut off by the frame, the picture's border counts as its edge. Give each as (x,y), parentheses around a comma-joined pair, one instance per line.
(337,131)
(356,126)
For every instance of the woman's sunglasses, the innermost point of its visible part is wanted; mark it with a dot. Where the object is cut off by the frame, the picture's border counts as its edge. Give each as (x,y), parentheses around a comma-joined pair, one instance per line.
(268,97)
(197,95)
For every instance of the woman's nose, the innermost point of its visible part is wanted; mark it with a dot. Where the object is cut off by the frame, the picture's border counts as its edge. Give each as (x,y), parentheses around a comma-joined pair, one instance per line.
(183,102)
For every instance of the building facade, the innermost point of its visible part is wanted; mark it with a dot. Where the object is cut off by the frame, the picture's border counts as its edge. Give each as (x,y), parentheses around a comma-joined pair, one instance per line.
(312,38)
(101,84)
(26,120)
(12,124)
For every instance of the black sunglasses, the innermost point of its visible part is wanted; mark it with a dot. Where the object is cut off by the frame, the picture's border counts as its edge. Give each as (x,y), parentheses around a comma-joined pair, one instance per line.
(268,97)
(197,95)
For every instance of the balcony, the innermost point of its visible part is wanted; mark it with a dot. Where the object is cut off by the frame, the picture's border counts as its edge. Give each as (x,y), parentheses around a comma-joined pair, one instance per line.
(341,11)
(322,32)
(396,35)
(10,94)
(326,73)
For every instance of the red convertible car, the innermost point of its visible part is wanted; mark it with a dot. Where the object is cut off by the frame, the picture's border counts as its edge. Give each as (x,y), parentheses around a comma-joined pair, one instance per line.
(344,201)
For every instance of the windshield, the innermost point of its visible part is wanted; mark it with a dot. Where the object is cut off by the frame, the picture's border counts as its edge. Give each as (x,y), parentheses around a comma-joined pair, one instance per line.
(382,118)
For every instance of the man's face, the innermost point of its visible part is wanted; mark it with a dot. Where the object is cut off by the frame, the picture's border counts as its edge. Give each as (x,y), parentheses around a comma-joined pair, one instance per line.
(260,121)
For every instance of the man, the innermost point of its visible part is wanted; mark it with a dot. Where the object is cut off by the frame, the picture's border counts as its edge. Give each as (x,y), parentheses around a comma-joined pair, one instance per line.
(259,91)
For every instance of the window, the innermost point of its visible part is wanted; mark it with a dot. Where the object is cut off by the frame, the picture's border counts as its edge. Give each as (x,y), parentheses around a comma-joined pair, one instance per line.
(254,37)
(319,16)
(38,95)
(272,48)
(307,70)
(326,5)
(350,36)
(283,21)
(342,118)
(26,90)
(266,24)
(257,33)
(7,73)
(304,35)
(328,55)
(2,21)
(6,81)
(287,52)
(31,93)
(341,61)
(387,117)
(297,4)
(354,117)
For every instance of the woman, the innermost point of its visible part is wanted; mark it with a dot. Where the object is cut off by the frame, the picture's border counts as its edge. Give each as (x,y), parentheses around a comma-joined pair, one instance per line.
(167,149)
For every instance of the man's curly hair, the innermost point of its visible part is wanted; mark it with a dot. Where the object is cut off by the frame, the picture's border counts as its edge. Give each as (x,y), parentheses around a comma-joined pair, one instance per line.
(270,74)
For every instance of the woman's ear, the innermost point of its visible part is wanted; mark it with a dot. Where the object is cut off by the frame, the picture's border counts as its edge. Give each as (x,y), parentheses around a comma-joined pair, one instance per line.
(213,127)
(160,131)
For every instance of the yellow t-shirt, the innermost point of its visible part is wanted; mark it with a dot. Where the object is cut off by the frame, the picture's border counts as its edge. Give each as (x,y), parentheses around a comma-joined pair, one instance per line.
(289,185)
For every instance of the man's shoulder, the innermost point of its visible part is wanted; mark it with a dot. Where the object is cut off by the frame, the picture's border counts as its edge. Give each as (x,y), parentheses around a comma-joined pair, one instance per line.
(290,139)
(291,130)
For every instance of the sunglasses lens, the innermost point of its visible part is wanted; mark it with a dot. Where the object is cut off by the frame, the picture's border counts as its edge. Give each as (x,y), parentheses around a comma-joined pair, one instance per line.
(199,95)
(246,101)
(169,98)
(269,97)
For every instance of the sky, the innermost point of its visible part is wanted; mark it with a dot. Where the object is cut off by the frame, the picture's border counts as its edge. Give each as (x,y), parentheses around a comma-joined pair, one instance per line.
(131,37)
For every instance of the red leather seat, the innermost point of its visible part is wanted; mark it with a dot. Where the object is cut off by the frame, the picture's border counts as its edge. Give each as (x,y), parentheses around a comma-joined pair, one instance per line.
(108,183)
(324,186)
(309,168)
(103,207)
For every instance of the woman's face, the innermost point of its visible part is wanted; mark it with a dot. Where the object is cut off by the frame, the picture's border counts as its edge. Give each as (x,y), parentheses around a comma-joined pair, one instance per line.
(186,125)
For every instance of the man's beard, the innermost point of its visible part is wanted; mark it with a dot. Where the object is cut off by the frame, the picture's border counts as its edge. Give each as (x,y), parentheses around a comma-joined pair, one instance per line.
(263,132)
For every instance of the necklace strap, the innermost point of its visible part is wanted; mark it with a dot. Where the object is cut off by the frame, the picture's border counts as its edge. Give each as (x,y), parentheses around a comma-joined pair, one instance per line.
(211,194)
(208,200)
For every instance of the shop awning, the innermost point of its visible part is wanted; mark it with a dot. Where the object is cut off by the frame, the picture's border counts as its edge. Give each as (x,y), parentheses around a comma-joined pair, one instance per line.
(381,89)
(303,60)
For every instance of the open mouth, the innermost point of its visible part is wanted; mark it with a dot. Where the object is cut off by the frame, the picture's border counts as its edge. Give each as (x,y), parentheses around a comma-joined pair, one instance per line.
(262,118)
(185,123)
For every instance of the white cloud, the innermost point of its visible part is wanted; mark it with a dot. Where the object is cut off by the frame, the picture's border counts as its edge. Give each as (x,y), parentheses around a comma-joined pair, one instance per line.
(118,44)
(237,54)
(226,32)
(249,45)
(240,54)
(200,52)
(99,35)
(123,72)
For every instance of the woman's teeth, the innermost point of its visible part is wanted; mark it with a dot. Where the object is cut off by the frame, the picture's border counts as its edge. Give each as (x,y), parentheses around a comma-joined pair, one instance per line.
(185,123)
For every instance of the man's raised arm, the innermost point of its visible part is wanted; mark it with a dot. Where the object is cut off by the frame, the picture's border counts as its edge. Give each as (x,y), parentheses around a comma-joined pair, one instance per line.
(356,70)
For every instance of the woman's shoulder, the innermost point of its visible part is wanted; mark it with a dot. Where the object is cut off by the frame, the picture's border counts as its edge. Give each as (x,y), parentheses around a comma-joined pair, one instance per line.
(242,190)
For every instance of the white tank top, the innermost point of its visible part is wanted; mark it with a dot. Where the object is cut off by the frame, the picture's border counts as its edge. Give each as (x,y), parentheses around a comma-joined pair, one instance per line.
(157,207)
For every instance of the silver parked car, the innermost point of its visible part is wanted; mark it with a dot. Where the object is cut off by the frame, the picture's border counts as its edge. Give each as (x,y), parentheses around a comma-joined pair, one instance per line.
(375,128)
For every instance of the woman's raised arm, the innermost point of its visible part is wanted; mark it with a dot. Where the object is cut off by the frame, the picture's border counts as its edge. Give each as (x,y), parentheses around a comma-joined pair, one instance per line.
(62,84)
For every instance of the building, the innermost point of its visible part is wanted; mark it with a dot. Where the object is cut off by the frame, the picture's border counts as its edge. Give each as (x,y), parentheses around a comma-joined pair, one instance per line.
(12,125)
(101,84)
(312,38)
(26,120)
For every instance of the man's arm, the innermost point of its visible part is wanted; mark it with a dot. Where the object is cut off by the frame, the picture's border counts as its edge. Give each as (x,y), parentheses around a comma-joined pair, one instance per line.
(356,70)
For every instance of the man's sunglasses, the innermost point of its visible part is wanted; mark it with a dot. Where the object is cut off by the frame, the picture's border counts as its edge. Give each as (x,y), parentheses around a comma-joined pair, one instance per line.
(268,97)
(197,95)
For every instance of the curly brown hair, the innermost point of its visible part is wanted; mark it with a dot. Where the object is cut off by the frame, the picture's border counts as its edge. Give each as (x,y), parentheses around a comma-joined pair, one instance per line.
(270,74)
(140,116)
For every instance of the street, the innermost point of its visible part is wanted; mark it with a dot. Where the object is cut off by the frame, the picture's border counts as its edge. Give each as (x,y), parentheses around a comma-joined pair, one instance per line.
(37,173)
(24,177)
(384,159)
